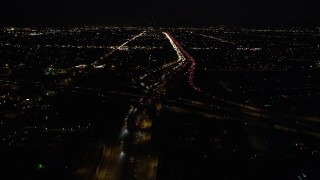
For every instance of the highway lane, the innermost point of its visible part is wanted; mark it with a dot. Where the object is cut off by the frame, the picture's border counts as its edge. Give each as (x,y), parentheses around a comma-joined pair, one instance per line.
(183,54)
(180,50)
(155,79)
(183,64)
(143,155)
(130,157)
(114,156)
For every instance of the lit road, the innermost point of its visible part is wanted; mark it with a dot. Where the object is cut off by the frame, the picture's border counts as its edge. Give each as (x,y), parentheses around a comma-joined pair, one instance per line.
(143,158)
(114,156)
(111,163)
(185,65)
(126,155)
(180,50)
(217,39)
(124,44)
(184,55)
(157,76)
(120,47)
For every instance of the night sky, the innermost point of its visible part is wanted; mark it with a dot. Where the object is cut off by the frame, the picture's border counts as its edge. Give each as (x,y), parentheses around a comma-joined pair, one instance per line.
(143,12)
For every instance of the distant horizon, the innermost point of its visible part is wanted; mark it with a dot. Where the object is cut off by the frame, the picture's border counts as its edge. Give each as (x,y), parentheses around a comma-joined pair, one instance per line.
(160,25)
(164,12)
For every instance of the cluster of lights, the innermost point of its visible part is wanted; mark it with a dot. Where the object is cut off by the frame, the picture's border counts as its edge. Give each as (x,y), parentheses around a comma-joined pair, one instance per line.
(188,57)
(181,60)
(119,48)
(218,39)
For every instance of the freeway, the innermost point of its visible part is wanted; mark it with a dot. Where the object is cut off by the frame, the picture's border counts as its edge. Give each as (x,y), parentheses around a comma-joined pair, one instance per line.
(129,158)
(185,64)
(190,60)
(183,54)
(111,164)
(114,156)
(156,78)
